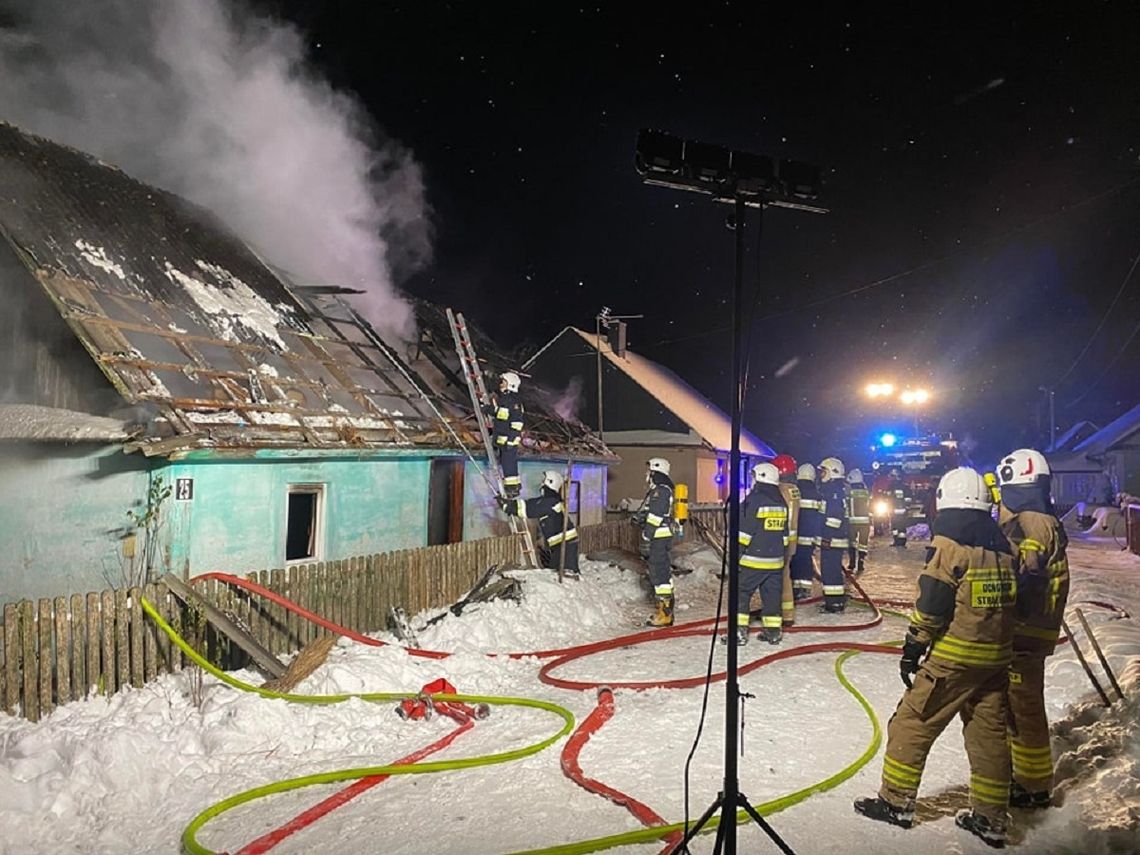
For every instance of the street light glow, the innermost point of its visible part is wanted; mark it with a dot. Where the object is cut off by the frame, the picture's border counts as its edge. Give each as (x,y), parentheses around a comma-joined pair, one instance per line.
(880,390)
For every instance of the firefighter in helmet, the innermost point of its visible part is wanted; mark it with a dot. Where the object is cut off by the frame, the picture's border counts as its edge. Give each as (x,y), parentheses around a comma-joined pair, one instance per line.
(808,531)
(900,498)
(763,538)
(656,520)
(507,414)
(963,625)
(859,521)
(834,535)
(786,466)
(558,531)
(1027,517)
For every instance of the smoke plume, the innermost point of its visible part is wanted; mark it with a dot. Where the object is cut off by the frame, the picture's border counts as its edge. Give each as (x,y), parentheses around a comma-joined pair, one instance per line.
(217,104)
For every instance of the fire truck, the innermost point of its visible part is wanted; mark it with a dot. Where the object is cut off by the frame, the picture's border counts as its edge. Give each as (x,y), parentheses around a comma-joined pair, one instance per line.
(910,467)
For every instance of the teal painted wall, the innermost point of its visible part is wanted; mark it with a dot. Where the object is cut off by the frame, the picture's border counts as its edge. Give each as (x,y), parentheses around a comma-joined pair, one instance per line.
(237,518)
(63,511)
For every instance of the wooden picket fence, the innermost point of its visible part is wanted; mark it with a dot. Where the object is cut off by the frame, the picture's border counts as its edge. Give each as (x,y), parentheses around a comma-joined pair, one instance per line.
(56,650)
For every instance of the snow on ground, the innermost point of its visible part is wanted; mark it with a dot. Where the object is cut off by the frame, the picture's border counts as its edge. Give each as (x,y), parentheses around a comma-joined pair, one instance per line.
(128,773)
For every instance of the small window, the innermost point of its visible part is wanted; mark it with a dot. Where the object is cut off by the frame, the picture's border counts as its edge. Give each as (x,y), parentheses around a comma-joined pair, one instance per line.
(304,522)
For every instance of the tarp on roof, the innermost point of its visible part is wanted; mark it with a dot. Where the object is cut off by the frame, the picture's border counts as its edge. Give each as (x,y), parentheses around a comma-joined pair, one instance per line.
(707,420)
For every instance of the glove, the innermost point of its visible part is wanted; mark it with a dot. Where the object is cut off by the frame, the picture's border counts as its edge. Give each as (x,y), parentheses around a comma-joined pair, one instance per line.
(913,649)
(825,543)
(504,503)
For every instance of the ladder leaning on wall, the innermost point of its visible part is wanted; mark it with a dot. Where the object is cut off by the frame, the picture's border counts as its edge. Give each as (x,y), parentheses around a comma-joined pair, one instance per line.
(473,374)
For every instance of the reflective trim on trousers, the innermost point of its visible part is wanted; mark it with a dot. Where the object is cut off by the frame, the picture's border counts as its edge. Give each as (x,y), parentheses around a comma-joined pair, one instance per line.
(771,621)
(989,791)
(754,563)
(555,539)
(834,590)
(900,775)
(1029,762)
(665,590)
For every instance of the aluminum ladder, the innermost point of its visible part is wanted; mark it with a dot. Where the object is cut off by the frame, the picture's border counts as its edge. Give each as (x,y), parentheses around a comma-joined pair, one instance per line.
(473,374)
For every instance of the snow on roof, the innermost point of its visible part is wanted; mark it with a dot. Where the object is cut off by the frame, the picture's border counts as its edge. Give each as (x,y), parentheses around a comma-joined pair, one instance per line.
(710,422)
(1112,434)
(1077,433)
(48,424)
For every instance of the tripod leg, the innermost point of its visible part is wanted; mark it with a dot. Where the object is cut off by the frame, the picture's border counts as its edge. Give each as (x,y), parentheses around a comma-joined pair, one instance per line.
(763,823)
(696,827)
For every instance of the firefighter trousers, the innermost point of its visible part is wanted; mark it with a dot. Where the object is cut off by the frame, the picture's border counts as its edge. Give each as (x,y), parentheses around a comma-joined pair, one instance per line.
(787,596)
(770,584)
(831,575)
(860,545)
(941,691)
(660,567)
(509,461)
(1029,745)
(571,560)
(803,568)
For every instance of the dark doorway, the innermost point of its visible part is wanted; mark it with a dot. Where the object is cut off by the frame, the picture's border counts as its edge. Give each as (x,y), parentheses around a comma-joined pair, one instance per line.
(302,524)
(445,502)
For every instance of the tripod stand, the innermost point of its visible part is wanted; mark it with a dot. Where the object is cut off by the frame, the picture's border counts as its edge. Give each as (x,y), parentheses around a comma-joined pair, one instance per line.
(730,798)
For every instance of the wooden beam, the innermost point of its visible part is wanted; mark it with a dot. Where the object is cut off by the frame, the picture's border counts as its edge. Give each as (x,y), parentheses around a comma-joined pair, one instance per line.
(225,624)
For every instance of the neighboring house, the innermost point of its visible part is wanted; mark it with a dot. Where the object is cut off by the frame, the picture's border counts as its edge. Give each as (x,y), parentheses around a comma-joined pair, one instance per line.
(1113,450)
(647,411)
(143,346)
(1075,435)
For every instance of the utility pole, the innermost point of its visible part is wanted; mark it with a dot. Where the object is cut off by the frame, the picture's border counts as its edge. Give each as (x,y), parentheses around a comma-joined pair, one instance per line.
(604,319)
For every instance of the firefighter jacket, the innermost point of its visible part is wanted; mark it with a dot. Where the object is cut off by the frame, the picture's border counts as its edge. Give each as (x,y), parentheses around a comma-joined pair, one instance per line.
(810,522)
(1043,577)
(791,495)
(858,504)
(548,509)
(658,507)
(965,609)
(763,534)
(833,511)
(507,414)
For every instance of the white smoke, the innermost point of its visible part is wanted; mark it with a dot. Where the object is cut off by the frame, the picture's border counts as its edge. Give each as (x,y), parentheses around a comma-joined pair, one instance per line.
(570,401)
(218,104)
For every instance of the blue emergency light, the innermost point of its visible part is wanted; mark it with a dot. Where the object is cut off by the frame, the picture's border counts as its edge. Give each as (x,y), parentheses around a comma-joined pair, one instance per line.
(888,440)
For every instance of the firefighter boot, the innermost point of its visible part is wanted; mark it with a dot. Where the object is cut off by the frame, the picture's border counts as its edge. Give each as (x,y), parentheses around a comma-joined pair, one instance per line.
(880,809)
(1019,797)
(741,636)
(992,833)
(773,635)
(664,614)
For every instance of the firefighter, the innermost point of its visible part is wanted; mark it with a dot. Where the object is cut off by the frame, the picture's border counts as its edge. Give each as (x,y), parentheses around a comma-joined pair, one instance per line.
(656,519)
(898,492)
(808,530)
(786,466)
(963,623)
(557,528)
(834,538)
(763,539)
(859,521)
(506,412)
(1027,517)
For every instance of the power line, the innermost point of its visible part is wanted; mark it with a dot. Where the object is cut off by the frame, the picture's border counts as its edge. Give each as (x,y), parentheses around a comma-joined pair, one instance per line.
(1107,368)
(1104,318)
(916,268)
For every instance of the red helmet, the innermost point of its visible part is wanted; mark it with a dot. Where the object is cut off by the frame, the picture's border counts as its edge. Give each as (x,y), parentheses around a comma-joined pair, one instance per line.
(785,464)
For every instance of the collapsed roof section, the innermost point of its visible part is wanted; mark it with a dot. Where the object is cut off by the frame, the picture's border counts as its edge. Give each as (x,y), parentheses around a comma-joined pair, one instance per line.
(182,316)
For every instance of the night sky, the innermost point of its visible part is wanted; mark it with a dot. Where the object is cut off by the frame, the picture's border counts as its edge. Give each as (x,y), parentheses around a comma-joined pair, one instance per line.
(982,168)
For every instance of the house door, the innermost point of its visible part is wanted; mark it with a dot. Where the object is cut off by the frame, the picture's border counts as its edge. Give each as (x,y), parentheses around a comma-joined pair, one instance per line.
(445,502)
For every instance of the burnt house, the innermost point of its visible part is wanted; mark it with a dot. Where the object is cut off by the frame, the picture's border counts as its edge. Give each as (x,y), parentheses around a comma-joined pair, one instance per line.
(153,361)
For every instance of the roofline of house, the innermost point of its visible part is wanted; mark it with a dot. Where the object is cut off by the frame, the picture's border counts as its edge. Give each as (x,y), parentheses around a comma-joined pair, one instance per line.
(220,455)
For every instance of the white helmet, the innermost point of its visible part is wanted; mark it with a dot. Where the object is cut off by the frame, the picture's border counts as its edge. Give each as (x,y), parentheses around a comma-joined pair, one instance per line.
(511,380)
(659,464)
(963,488)
(1022,467)
(830,467)
(854,477)
(553,480)
(765,473)
(806,472)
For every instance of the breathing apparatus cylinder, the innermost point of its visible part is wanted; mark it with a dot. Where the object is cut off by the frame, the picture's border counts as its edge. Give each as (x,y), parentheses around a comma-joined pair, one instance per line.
(995,490)
(681,506)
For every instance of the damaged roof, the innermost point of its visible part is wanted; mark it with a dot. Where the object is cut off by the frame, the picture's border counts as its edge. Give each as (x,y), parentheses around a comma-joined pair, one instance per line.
(181,316)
